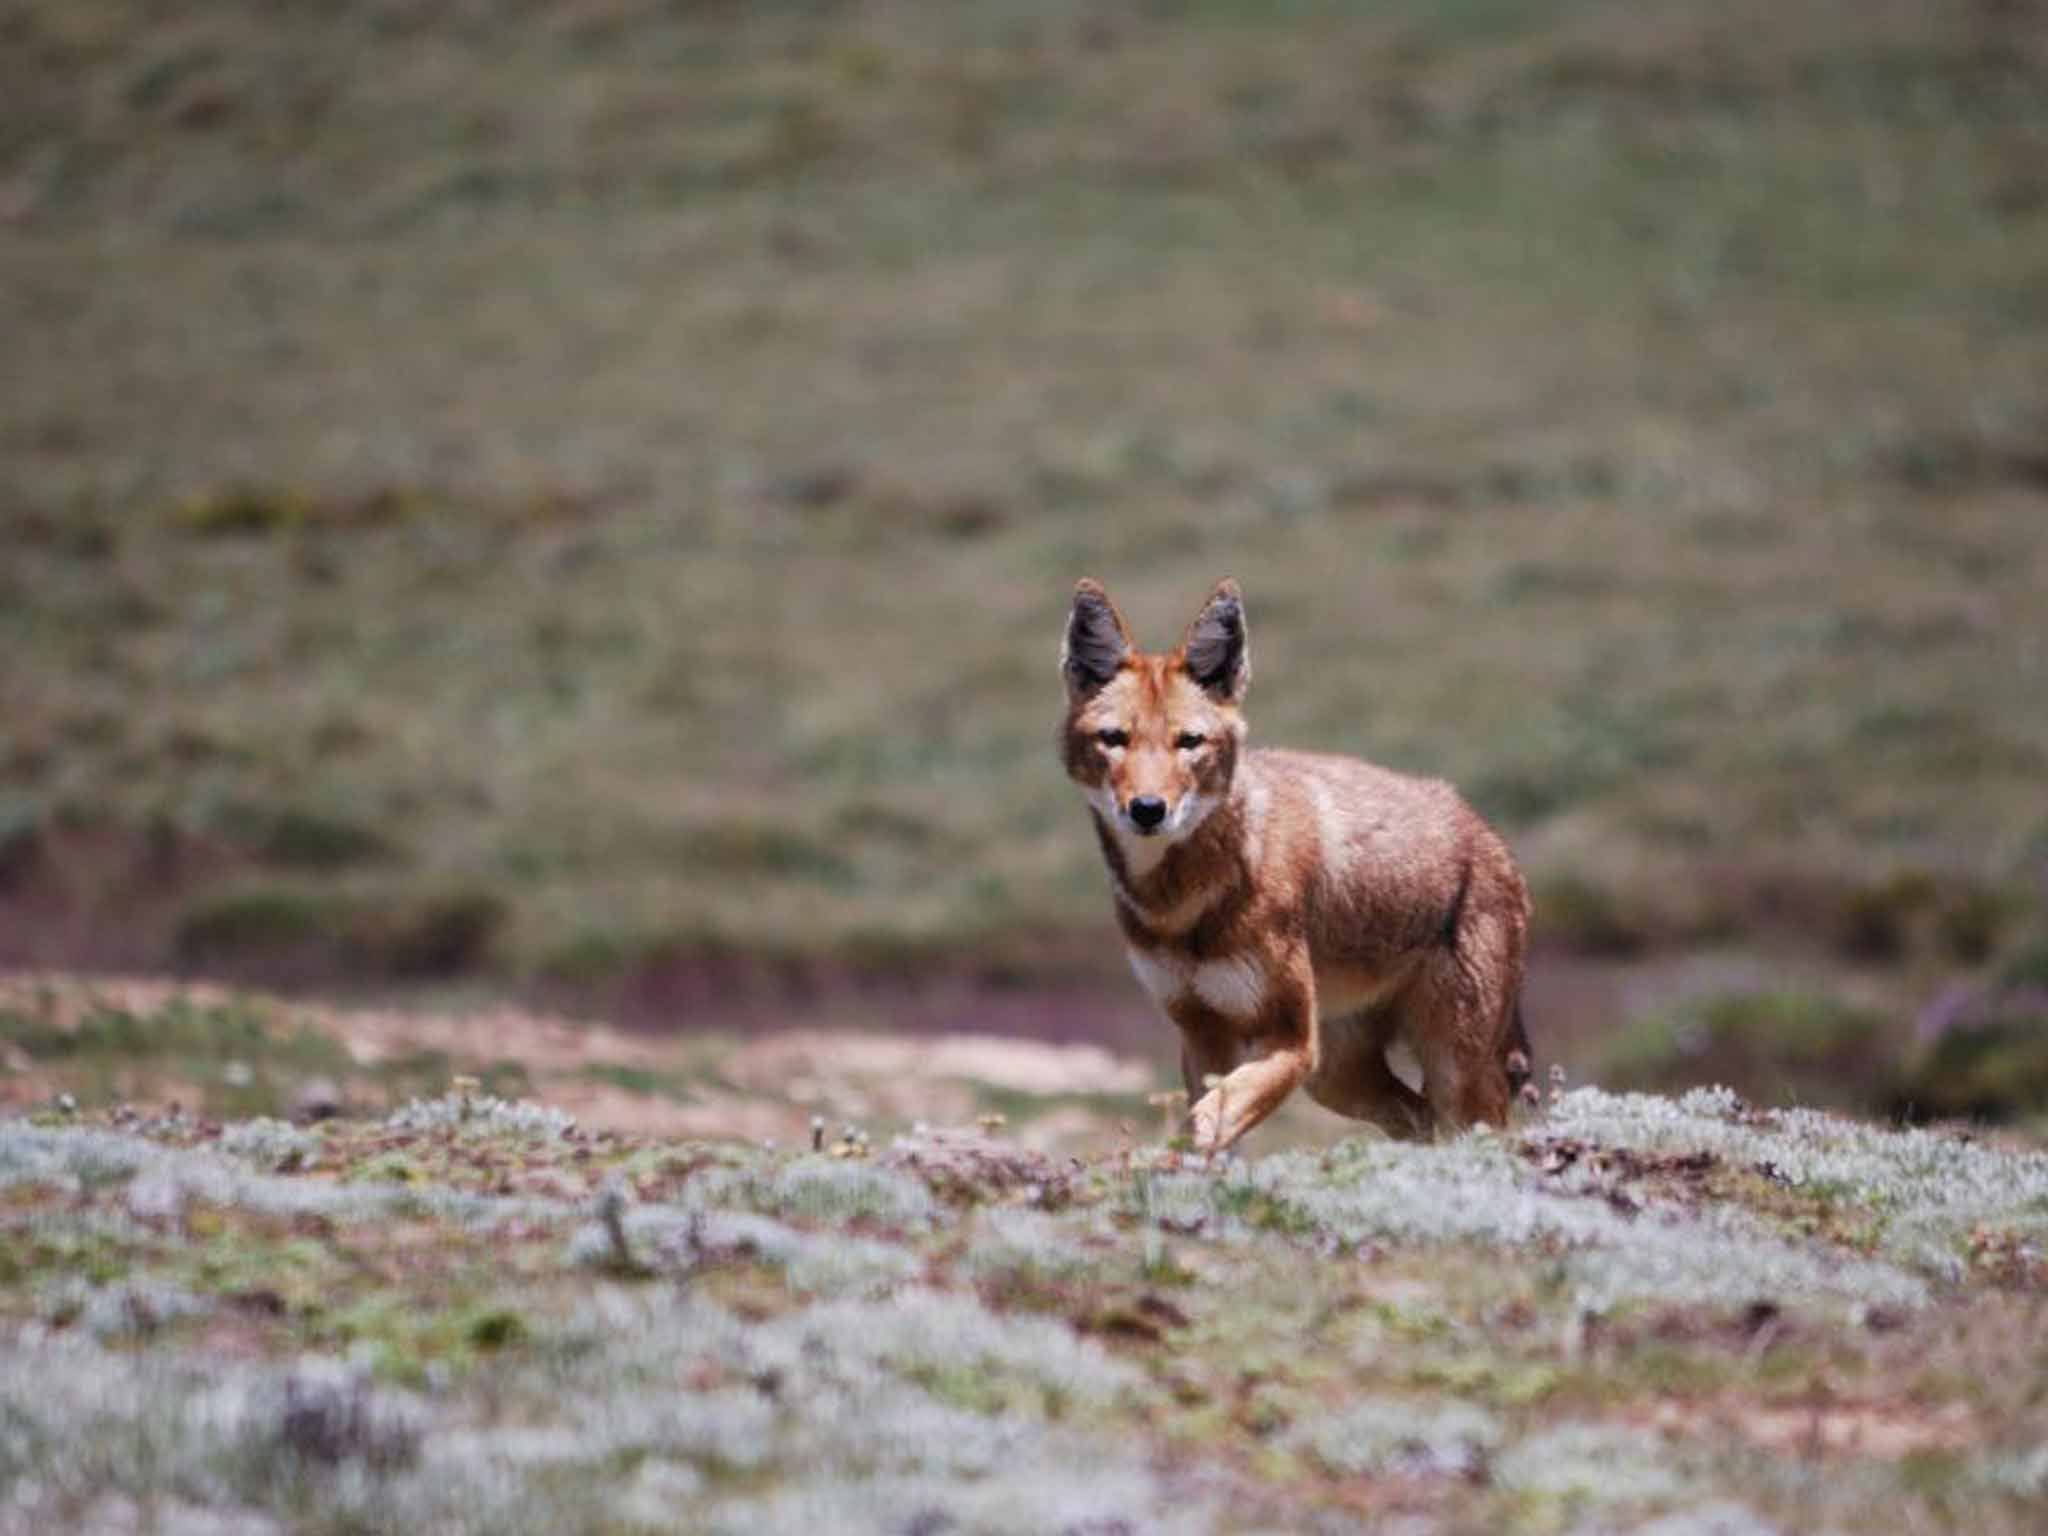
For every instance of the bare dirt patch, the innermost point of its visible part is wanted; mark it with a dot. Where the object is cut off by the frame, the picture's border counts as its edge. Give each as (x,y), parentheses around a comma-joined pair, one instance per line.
(798,1059)
(678,1084)
(1879,1430)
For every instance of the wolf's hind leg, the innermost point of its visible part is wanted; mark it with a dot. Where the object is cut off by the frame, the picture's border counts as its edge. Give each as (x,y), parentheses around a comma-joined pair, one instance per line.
(1456,1023)
(1354,1079)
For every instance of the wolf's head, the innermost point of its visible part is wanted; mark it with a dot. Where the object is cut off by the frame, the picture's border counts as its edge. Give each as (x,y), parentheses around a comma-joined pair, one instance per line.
(1152,737)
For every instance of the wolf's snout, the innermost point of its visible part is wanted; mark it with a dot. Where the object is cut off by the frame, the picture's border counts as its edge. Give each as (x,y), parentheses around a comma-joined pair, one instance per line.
(1146,812)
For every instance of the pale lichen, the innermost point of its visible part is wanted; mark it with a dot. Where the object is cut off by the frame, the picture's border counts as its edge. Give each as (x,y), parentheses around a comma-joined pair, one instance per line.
(1389,1437)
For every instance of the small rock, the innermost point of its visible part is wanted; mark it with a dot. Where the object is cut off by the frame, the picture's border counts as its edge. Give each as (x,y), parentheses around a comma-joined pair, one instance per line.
(319,1098)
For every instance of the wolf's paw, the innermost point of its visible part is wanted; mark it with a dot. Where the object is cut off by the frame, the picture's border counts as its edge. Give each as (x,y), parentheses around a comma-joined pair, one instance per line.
(1205,1121)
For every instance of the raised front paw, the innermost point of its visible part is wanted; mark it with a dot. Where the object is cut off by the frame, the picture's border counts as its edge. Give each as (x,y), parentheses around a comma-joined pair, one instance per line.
(1205,1121)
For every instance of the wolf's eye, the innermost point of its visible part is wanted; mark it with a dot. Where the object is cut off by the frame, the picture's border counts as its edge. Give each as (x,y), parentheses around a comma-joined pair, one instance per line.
(1187,741)
(1113,737)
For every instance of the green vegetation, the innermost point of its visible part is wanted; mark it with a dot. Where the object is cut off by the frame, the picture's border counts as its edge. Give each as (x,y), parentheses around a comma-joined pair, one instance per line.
(594,486)
(1785,1047)
(425,934)
(213,1053)
(230,1058)
(1679,1316)
(1988,1055)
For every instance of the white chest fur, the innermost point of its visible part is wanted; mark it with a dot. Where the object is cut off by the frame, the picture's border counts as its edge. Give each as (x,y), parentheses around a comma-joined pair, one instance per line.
(1234,987)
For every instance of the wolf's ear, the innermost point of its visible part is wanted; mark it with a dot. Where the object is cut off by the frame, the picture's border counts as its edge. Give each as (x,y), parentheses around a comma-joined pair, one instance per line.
(1096,641)
(1214,650)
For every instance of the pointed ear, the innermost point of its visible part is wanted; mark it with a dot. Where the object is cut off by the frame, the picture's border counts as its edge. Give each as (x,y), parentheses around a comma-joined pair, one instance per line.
(1214,651)
(1097,640)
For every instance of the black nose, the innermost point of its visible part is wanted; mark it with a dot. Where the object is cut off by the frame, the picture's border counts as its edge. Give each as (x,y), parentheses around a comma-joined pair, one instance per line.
(1147,811)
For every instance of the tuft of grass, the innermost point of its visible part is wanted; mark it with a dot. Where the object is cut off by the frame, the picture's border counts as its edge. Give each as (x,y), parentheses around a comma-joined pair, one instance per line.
(255,920)
(442,934)
(1587,916)
(236,510)
(1987,1060)
(305,838)
(420,935)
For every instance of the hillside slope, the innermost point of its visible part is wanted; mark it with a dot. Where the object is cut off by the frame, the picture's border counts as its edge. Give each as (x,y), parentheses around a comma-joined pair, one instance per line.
(462,468)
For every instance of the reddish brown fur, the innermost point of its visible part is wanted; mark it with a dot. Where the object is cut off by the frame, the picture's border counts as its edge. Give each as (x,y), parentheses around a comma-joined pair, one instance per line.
(1297,914)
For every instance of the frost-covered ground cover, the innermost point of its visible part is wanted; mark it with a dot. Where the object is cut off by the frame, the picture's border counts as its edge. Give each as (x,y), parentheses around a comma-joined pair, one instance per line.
(1682,1317)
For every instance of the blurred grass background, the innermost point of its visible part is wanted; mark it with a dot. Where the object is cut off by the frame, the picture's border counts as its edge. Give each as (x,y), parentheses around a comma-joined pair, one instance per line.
(583,495)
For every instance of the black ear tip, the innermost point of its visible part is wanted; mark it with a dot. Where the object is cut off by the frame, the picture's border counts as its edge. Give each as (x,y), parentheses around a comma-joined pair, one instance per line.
(1215,644)
(1097,642)
(1091,606)
(1226,602)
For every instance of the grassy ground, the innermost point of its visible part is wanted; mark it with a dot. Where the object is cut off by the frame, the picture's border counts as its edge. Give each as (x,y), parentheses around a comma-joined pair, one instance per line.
(1681,1316)
(591,488)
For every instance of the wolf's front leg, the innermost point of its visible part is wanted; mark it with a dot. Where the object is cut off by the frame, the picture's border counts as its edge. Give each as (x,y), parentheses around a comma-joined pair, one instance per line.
(1277,1058)
(1247,1096)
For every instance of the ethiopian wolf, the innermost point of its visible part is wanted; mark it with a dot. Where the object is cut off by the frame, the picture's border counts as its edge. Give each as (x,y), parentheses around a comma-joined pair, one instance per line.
(1294,914)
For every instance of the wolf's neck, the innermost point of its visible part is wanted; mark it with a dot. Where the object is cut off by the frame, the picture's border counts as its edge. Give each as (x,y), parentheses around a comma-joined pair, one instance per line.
(1168,886)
